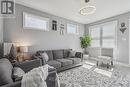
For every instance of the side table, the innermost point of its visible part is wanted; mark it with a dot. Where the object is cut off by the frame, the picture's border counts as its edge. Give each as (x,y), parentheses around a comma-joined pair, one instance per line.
(85,56)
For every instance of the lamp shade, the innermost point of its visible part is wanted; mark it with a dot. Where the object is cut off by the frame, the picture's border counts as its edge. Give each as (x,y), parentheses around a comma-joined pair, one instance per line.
(23,48)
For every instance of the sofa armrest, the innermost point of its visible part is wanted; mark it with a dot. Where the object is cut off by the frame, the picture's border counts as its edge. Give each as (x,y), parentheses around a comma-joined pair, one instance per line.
(28,65)
(14,84)
(79,55)
(35,57)
(42,59)
(52,79)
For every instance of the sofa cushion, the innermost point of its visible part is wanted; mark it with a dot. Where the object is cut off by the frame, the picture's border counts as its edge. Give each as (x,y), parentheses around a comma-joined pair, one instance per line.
(50,54)
(54,63)
(66,53)
(75,60)
(58,54)
(26,66)
(5,72)
(65,62)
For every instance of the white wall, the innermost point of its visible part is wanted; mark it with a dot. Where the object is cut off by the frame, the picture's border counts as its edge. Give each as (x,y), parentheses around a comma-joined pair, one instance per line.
(129,40)
(40,40)
(1,36)
(1,30)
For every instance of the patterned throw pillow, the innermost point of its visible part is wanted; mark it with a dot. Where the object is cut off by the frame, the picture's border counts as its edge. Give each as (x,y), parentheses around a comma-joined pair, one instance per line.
(45,56)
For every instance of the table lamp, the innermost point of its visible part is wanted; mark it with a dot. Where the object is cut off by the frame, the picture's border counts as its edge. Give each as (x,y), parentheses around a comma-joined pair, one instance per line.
(22,50)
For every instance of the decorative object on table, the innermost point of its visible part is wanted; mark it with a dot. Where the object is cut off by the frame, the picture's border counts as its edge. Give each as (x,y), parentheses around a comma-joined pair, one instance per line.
(22,53)
(62,28)
(6,48)
(123,27)
(54,25)
(13,54)
(85,41)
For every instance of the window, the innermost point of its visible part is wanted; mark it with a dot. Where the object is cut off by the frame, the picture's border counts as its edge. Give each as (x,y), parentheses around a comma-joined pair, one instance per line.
(103,35)
(95,34)
(72,29)
(108,35)
(35,22)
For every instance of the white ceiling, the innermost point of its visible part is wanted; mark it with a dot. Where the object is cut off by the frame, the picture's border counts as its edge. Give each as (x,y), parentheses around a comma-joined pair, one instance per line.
(69,8)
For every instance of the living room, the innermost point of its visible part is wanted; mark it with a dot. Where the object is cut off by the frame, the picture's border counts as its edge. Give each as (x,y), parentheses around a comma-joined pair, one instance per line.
(82,43)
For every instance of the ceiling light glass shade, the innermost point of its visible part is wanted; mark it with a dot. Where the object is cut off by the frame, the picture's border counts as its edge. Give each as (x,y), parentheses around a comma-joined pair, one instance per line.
(87,10)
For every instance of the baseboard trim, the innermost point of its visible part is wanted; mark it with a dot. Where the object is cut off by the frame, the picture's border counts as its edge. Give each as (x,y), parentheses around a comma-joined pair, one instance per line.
(121,64)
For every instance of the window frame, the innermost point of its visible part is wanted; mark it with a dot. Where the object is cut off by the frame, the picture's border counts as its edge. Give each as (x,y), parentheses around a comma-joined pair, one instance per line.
(35,16)
(77,29)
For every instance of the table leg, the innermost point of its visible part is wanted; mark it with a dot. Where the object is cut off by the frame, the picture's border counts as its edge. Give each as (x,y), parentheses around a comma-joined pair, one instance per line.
(97,63)
(111,63)
(102,63)
(107,65)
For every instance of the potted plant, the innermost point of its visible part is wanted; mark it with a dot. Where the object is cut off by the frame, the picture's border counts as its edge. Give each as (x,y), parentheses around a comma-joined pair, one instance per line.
(85,41)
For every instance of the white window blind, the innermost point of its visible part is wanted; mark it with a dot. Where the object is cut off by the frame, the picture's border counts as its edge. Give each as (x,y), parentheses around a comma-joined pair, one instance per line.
(109,30)
(35,22)
(72,29)
(103,35)
(108,37)
(108,43)
(95,35)
(95,43)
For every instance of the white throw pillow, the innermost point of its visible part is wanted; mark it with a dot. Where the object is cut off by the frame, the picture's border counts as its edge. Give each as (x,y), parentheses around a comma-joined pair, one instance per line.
(72,53)
(45,56)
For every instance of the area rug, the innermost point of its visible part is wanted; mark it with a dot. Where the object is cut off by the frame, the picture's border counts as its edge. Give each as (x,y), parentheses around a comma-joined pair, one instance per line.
(83,77)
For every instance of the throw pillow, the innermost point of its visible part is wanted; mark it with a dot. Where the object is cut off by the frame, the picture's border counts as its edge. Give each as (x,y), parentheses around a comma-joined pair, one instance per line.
(72,53)
(17,73)
(45,56)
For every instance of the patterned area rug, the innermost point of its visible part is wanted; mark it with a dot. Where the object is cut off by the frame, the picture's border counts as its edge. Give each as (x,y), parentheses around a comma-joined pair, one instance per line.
(84,77)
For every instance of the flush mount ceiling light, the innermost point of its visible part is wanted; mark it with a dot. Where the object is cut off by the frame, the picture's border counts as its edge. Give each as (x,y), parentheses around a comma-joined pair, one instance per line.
(88,9)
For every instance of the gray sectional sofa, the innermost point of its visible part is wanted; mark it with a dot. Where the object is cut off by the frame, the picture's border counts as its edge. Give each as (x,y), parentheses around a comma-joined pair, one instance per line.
(61,59)
(6,70)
